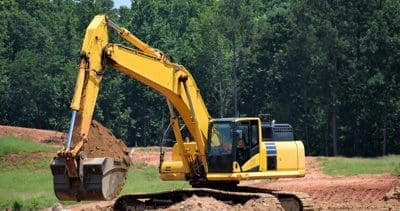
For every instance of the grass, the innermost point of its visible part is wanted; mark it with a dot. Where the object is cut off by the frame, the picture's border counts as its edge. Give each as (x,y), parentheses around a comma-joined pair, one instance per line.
(146,179)
(11,144)
(25,162)
(26,182)
(34,189)
(27,189)
(354,166)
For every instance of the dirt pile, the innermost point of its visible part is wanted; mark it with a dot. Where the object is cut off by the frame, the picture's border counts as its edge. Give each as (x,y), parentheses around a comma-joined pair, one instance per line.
(102,143)
(85,206)
(208,203)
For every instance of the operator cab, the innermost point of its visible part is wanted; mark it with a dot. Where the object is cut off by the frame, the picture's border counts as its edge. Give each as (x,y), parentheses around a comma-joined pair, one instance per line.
(233,145)
(231,140)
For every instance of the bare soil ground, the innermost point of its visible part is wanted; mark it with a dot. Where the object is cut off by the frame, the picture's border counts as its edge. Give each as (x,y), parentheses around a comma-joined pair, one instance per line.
(361,192)
(47,136)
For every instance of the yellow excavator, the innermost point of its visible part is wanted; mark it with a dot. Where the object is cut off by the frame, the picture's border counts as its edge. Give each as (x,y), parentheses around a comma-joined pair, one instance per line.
(215,156)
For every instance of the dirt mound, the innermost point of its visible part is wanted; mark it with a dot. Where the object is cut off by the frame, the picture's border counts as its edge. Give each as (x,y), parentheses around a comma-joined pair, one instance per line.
(199,203)
(34,134)
(84,206)
(208,203)
(102,143)
(258,204)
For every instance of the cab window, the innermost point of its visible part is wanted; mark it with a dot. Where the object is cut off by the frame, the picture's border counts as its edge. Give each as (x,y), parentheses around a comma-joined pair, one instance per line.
(220,139)
(254,134)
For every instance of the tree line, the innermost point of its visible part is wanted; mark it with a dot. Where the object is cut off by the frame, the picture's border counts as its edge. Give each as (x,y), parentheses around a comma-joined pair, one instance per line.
(330,68)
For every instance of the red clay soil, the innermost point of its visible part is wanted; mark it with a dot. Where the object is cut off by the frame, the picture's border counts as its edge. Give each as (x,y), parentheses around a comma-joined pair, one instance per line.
(369,192)
(34,134)
(337,189)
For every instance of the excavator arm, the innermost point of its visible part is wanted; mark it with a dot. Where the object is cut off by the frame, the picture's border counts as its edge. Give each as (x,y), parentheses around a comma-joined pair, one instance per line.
(78,176)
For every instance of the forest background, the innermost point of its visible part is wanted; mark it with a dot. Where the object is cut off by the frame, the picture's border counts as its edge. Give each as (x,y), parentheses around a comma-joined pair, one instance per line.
(330,68)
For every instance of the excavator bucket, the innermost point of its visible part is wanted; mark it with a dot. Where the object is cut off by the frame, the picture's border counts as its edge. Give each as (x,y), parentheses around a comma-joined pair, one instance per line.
(100,179)
(102,168)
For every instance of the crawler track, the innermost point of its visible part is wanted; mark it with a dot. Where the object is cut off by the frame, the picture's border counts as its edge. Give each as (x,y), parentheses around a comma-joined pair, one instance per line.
(276,200)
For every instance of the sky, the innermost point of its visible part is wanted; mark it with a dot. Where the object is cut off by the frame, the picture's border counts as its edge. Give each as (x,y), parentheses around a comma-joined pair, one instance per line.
(118,3)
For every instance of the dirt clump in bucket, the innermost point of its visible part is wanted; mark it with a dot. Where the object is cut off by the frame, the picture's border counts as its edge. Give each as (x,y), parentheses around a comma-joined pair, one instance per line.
(102,143)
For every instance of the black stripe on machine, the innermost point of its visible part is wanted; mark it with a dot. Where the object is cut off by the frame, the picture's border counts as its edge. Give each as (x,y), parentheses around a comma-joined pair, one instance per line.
(271,155)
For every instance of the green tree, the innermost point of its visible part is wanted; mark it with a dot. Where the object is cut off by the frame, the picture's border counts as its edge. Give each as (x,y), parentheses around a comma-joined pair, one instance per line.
(210,63)
(235,23)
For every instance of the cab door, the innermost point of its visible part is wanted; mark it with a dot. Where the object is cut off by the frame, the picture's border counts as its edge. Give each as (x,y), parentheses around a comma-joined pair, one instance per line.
(220,152)
(246,153)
